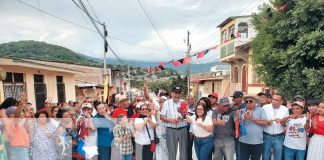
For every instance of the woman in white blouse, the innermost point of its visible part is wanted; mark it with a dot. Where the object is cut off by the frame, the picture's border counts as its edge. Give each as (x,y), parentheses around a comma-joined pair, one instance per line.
(202,129)
(144,127)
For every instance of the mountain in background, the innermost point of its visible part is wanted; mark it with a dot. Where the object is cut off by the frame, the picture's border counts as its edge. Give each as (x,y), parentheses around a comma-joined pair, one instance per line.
(45,52)
(194,68)
(48,52)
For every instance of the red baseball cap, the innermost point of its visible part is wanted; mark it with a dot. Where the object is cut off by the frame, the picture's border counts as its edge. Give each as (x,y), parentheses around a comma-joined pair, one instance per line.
(214,95)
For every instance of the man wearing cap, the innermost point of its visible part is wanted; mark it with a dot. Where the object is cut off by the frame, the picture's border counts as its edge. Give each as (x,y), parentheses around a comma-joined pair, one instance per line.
(237,105)
(265,98)
(273,135)
(253,119)
(176,127)
(124,107)
(238,100)
(213,97)
(223,120)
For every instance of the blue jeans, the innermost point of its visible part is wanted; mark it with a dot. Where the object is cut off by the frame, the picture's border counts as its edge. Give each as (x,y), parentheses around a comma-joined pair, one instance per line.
(272,142)
(126,157)
(104,153)
(203,147)
(224,148)
(294,154)
(21,153)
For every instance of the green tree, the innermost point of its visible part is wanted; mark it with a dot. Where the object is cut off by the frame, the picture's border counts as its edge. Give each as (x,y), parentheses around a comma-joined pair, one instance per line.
(288,49)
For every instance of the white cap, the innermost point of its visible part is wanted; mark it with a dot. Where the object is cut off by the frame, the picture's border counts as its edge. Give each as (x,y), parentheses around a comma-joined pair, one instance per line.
(164,97)
(139,104)
(88,105)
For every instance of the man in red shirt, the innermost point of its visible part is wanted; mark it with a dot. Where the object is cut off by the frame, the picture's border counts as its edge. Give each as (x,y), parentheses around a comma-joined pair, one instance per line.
(123,103)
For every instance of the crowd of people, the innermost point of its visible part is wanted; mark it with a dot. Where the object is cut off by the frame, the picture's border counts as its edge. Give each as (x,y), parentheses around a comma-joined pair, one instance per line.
(263,126)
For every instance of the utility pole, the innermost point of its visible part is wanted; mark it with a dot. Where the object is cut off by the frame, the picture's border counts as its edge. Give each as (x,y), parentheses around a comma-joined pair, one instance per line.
(106,47)
(188,66)
(105,73)
(128,78)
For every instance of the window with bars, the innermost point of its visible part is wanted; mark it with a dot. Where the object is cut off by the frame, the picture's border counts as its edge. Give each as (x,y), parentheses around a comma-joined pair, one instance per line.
(13,85)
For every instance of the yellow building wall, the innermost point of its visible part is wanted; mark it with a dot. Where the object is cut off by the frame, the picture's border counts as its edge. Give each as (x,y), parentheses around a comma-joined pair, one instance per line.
(226,27)
(49,80)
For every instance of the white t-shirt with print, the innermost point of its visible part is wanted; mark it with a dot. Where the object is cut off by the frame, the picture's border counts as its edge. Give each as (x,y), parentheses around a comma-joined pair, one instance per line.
(198,131)
(141,136)
(295,134)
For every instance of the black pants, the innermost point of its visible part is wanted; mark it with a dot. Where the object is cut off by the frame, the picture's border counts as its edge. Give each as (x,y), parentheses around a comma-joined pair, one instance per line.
(251,150)
(146,152)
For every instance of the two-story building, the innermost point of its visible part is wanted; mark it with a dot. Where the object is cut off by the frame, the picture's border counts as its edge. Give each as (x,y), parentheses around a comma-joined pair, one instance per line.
(236,36)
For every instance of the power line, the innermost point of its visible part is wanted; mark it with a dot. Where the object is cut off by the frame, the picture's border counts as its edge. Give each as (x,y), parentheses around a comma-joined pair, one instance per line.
(93,10)
(65,20)
(96,27)
(130,43)
(75,24)
(202,19)
(205,41)
(153,25)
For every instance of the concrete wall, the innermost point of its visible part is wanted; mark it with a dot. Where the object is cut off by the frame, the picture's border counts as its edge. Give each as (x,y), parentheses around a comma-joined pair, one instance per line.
(49,80)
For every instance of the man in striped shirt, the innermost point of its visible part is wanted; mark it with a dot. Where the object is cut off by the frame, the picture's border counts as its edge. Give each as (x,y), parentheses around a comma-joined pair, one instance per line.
(175,124)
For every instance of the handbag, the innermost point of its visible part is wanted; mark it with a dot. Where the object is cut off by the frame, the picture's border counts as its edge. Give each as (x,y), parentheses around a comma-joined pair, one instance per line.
(153,142)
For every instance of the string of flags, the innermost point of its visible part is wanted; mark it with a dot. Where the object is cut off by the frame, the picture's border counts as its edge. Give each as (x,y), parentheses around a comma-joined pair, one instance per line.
(201,54)
(179,62)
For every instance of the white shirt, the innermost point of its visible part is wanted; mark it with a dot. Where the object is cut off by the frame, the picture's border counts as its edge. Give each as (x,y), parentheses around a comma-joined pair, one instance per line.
(198,131)
(170,110)
(272,114)
(141,136)
(295,134)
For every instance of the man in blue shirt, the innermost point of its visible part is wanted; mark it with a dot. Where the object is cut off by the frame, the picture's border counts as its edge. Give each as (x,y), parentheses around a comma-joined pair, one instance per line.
(104,126)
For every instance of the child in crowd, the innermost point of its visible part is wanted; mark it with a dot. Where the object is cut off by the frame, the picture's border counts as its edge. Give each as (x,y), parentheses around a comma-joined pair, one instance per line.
(295,139)
(123,132)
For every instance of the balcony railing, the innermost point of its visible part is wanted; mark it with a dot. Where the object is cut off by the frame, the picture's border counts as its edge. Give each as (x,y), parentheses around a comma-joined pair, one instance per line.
(228,48)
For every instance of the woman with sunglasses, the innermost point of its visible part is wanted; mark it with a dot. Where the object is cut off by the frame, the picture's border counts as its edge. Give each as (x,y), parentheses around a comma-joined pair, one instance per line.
(144,127)
(202,129)
(252,119)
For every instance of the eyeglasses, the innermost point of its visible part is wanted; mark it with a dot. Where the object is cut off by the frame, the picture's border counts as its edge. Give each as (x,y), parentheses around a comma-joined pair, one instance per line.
(145,109)
(249,101)
(200,109)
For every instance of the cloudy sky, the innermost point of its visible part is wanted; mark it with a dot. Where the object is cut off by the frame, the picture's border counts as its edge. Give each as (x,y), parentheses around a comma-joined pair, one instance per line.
(131,34)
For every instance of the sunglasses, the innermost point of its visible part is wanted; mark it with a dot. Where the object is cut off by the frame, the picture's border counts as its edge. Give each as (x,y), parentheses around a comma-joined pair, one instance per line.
(249,101)
(146,109)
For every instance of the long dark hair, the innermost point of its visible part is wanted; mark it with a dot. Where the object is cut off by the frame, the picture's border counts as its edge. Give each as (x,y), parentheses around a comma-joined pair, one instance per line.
(205,111)
(8,103)
(207,103)
(60,113)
